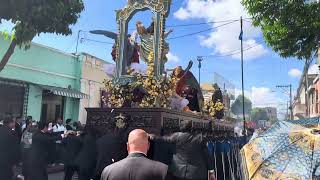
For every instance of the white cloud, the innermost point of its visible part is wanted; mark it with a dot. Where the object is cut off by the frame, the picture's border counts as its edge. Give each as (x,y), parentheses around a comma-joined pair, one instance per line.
(172,58)
(314,69)
(261,96)
(182,14)
(224,40)
(296,73)
(264,97)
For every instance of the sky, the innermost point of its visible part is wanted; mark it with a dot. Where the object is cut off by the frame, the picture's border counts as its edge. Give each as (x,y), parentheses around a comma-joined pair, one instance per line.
(263,68)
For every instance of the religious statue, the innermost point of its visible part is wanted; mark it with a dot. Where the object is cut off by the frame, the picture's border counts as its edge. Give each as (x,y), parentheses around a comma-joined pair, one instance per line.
(132,46)
(189,88)
(147,37)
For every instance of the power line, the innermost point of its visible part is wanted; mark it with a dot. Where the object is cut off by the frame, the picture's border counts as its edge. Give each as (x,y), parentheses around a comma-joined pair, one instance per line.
(198,32)
(248,21)
(231,54)
(203,23)
(92,40)
(206,23)
(182,36)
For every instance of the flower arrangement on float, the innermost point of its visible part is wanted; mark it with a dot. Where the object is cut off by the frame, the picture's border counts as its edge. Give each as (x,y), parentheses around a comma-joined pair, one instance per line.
(211,108)
(158,91)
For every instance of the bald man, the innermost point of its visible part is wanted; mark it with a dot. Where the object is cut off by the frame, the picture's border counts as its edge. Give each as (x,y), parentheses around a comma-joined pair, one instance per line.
(136,166)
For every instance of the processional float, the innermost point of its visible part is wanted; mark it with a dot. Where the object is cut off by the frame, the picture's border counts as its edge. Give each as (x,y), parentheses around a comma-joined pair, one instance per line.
(146,100)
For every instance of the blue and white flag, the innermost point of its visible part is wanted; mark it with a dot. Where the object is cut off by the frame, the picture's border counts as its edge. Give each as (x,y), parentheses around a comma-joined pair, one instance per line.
(241,35)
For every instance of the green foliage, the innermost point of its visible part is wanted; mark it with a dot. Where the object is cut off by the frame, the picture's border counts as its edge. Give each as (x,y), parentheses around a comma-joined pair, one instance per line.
(41,16)
(236,107)
(259,114)
(32,17)
(291,28)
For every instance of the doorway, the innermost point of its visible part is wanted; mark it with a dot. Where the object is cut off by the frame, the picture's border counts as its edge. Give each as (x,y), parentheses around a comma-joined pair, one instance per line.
(52,106)
(11,100)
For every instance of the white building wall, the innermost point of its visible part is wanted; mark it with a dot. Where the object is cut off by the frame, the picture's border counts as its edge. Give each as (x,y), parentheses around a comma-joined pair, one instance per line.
(91,84)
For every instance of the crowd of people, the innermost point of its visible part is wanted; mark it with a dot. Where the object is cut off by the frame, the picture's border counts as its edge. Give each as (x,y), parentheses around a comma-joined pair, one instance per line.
(118,155)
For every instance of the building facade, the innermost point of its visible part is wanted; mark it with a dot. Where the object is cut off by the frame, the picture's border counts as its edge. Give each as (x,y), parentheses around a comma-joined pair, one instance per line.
(46,83)
(313,97)
(272,113)
(91,84)
(306,101)
(41,82)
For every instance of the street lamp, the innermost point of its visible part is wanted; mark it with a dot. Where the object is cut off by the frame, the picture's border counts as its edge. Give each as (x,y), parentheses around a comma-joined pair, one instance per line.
(290,95)
(200,59)
(78,37)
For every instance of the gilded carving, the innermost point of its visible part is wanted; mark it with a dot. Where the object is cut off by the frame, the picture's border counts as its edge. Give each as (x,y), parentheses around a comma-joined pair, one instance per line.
(160,9)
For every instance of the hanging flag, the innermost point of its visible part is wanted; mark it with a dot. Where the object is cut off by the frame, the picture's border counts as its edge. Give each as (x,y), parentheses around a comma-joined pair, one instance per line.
(241,35)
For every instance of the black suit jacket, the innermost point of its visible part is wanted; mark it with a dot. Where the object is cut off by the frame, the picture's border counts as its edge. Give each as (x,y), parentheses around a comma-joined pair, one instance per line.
(41,146)
(110,149)
(38,159)
(69,127)
(71,148)
(86,159)
(18,130)
(9,149)
(191,159)
(135,167)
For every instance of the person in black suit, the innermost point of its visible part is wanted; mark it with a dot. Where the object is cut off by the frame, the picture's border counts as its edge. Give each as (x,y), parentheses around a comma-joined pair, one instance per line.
(136,166)
(68,125)
(111,147)
(191,160)
(18,127)
(9,149)
(39,153)
(71,148)
(86,159)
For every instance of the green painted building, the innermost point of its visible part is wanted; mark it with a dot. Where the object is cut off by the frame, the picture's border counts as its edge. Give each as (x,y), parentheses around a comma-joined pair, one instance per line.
(41,82)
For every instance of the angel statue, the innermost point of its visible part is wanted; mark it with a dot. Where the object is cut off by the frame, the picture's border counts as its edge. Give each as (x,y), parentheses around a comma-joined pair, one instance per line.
(132,46)
(146,36)
(189,88)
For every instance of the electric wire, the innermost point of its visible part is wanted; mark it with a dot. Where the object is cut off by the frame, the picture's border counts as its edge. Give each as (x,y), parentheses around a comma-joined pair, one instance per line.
(202,31)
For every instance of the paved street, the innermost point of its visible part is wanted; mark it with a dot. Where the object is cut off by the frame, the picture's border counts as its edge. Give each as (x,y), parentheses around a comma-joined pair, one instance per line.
(59,176)
(56,176)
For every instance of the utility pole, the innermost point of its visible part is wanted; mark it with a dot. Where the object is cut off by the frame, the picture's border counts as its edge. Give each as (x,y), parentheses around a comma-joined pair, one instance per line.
(287,118)
(291,108)
(200,59)
(290,95)
(242,76)
(78,37)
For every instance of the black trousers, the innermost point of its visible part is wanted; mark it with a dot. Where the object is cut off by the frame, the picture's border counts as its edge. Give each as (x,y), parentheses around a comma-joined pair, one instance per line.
(38,173)
(69,172)
(25,158)
(58,153)
(85,174)
(6,173)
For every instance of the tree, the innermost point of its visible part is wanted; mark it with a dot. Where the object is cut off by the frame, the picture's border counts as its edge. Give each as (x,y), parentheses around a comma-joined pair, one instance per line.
(291,28)
(236,107)
(216,98)
(259,114)
(32,17)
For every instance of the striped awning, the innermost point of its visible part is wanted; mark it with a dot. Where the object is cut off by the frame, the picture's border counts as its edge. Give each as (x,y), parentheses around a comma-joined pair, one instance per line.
(65,92)
(11,82)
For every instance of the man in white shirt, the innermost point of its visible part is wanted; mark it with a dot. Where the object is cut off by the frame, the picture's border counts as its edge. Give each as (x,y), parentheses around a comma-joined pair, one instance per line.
(59,127)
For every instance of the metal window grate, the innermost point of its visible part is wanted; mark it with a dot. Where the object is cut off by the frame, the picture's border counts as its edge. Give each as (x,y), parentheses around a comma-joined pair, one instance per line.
(25,101)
